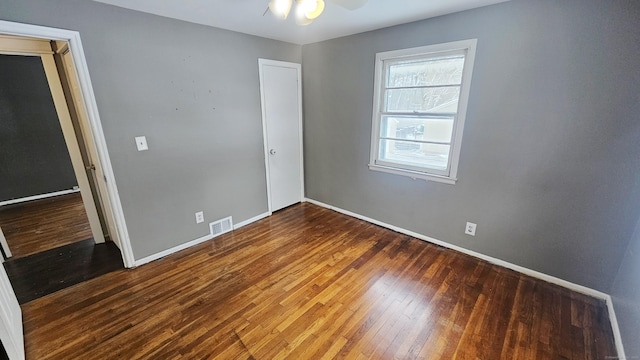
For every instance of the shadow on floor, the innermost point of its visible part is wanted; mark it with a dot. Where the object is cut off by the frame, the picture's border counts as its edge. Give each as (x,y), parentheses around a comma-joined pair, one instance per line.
(37,275)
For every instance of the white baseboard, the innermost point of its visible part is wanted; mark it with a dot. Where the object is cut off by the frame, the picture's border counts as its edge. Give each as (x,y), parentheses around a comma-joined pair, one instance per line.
(194,242)
(252,220)
(496,261)
(533,273)
(174,249)
(616,329)
(38,197)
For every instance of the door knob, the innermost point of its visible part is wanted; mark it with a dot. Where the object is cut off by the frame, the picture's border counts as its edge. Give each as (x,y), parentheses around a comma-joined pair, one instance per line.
(272,152)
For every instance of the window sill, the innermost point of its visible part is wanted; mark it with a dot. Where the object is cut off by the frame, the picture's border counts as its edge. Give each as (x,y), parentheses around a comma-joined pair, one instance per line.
(413,174)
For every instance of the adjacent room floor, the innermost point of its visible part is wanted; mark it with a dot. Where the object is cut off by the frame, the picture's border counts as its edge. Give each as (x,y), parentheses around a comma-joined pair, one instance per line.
(52,246)
(36,226)
(310,283)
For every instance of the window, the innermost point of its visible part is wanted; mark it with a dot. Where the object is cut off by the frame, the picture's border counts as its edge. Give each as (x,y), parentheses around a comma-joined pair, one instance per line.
(419,108)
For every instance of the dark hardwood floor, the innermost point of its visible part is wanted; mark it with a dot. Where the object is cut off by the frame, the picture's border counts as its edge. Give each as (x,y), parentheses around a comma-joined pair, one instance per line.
(46,272)
(40,225)
(309,283)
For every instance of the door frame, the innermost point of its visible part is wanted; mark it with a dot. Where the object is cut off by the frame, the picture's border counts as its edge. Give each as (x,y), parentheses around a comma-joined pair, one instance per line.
(41,48)
(94,125)
(11,326)
(267,62)
(5,246)
(93,170)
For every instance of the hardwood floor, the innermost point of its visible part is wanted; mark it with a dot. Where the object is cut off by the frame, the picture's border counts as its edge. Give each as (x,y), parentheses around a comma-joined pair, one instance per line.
(40,274)
(309,283)
(41,225)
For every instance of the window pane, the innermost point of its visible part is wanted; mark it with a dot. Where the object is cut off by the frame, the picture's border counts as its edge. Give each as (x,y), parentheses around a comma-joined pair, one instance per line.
(438,71)
(433,100)
(436,130)
(432,156)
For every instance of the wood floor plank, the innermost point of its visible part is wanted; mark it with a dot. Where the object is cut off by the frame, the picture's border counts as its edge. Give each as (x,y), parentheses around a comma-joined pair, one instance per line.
(36,226)
(309,283)
(37,275)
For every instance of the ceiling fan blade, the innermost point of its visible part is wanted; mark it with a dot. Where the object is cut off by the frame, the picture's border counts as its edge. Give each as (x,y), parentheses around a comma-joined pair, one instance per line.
(349,4)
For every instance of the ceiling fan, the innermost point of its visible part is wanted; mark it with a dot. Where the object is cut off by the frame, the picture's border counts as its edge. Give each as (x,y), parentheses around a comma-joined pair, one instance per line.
(308,10)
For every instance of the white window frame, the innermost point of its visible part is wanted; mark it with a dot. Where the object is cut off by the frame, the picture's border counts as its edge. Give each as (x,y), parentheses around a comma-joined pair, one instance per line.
(383,59)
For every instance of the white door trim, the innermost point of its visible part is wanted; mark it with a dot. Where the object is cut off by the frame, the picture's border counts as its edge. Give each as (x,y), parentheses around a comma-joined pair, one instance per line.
(38,197)
(5,246)
(95,126)
(11,328)
(298,67)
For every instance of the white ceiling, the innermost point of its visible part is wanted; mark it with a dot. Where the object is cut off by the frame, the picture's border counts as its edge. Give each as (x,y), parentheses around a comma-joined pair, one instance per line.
(246,16)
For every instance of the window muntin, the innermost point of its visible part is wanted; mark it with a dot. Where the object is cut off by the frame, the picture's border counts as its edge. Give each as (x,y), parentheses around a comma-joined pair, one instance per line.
(417,115)
(416,142)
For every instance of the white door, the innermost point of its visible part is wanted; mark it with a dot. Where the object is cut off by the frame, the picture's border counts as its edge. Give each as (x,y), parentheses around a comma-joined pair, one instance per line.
(90,157)
(282,122)
(71,140)
(10,319)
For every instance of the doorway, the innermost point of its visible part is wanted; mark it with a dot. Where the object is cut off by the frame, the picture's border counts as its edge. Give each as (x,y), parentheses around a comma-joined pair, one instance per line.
(43,151)
(11,333)
(40,143)
(94,137)
(281,96)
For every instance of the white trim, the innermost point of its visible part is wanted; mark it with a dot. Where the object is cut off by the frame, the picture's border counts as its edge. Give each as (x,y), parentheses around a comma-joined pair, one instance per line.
(172,250)
(77,51)
(5,246)
(252,220)
(414,175)
(450,175)
(264,134)
(616,329)
(298,67)
(533,273)
(38,197)
(84,79)
(11,326)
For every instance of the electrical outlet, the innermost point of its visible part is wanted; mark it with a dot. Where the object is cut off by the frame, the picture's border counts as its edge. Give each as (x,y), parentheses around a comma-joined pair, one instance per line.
(470,229)
(199,217)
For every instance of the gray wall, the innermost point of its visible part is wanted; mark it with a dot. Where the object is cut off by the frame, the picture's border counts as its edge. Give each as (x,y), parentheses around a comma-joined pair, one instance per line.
(194,92)
(626,297)
(550,163)
(33,156)
(549,167)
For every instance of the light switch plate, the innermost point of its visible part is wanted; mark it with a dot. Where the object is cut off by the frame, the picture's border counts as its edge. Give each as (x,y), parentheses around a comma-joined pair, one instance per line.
(141,143)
